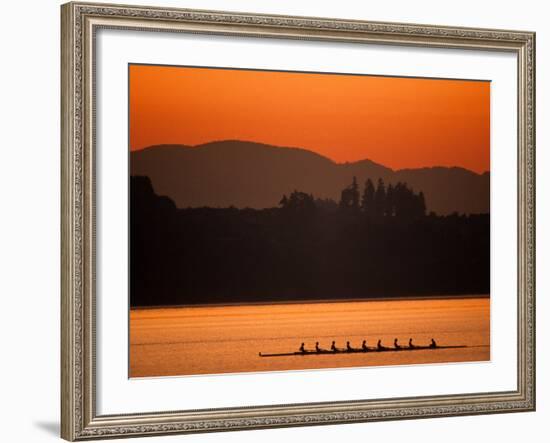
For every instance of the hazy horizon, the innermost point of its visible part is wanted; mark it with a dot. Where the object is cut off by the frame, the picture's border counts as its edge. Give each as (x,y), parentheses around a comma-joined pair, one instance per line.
(299,148)
(395,121)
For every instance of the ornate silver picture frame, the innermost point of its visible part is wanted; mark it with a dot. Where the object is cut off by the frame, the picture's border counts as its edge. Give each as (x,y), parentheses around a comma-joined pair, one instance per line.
(79,417)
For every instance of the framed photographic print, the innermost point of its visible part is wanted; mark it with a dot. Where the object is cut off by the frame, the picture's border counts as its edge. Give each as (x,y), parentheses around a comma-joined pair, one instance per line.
(282,221)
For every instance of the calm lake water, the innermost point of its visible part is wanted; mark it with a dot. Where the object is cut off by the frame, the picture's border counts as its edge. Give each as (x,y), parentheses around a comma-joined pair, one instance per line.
(222,339)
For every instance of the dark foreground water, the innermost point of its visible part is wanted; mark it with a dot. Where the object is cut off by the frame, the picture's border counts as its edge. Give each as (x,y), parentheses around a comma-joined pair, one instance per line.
(222,339)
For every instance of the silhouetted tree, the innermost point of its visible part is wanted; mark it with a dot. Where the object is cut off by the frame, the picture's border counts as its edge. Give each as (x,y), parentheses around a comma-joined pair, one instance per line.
(380,198)
(299,202)
(350,197)
(345,199)
(407,204)
(402,200)
(367,201)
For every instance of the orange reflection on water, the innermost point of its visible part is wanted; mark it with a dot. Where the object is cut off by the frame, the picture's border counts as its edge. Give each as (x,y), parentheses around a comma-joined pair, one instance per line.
(213,340)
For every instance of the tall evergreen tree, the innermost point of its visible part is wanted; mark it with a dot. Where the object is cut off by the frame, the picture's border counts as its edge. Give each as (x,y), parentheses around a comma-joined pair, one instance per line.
(398,197)
(367,200)
(407,204)
(350,197)
(380,198)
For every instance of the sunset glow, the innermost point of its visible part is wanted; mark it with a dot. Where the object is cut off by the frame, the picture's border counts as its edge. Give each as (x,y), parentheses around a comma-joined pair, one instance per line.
(397,122)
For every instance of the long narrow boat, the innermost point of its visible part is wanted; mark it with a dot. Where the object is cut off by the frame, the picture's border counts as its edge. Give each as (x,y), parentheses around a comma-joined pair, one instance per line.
(360,351)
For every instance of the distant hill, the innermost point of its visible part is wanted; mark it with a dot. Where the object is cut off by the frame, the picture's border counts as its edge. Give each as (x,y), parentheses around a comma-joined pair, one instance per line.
(247,174)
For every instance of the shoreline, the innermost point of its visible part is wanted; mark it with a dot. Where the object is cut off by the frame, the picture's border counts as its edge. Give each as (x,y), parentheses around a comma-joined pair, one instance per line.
(321,301)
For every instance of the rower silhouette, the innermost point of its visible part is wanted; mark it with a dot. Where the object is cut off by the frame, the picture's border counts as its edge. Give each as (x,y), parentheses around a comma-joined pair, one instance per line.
(317,348)
(396,345)
(411,343)
(302,348)
(379,345)
(364,346)
(349,348)
(333,346)
(433,344)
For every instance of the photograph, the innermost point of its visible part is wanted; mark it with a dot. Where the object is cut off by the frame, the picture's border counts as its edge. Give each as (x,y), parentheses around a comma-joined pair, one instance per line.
(291,220)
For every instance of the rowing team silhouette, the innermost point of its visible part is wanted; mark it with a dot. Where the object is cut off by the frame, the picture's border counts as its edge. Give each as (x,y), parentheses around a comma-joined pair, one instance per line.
(365,348)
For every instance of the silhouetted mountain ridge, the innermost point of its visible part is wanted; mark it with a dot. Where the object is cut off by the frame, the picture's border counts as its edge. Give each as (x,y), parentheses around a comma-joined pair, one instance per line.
(256,175)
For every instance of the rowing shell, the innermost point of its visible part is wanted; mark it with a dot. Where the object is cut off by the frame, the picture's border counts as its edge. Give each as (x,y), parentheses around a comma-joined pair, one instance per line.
(359,351)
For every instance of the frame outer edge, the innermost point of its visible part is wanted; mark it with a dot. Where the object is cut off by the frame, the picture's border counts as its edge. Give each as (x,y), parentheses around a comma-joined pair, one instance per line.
(526,222)
(68,402)
(532,201)
(534,196)
(78,420)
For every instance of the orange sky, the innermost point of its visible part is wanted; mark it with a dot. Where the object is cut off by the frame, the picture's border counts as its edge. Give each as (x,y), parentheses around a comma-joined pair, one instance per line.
(397,122)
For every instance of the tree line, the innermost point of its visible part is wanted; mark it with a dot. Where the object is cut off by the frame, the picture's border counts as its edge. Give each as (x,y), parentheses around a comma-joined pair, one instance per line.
(299,251)
(383,201)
